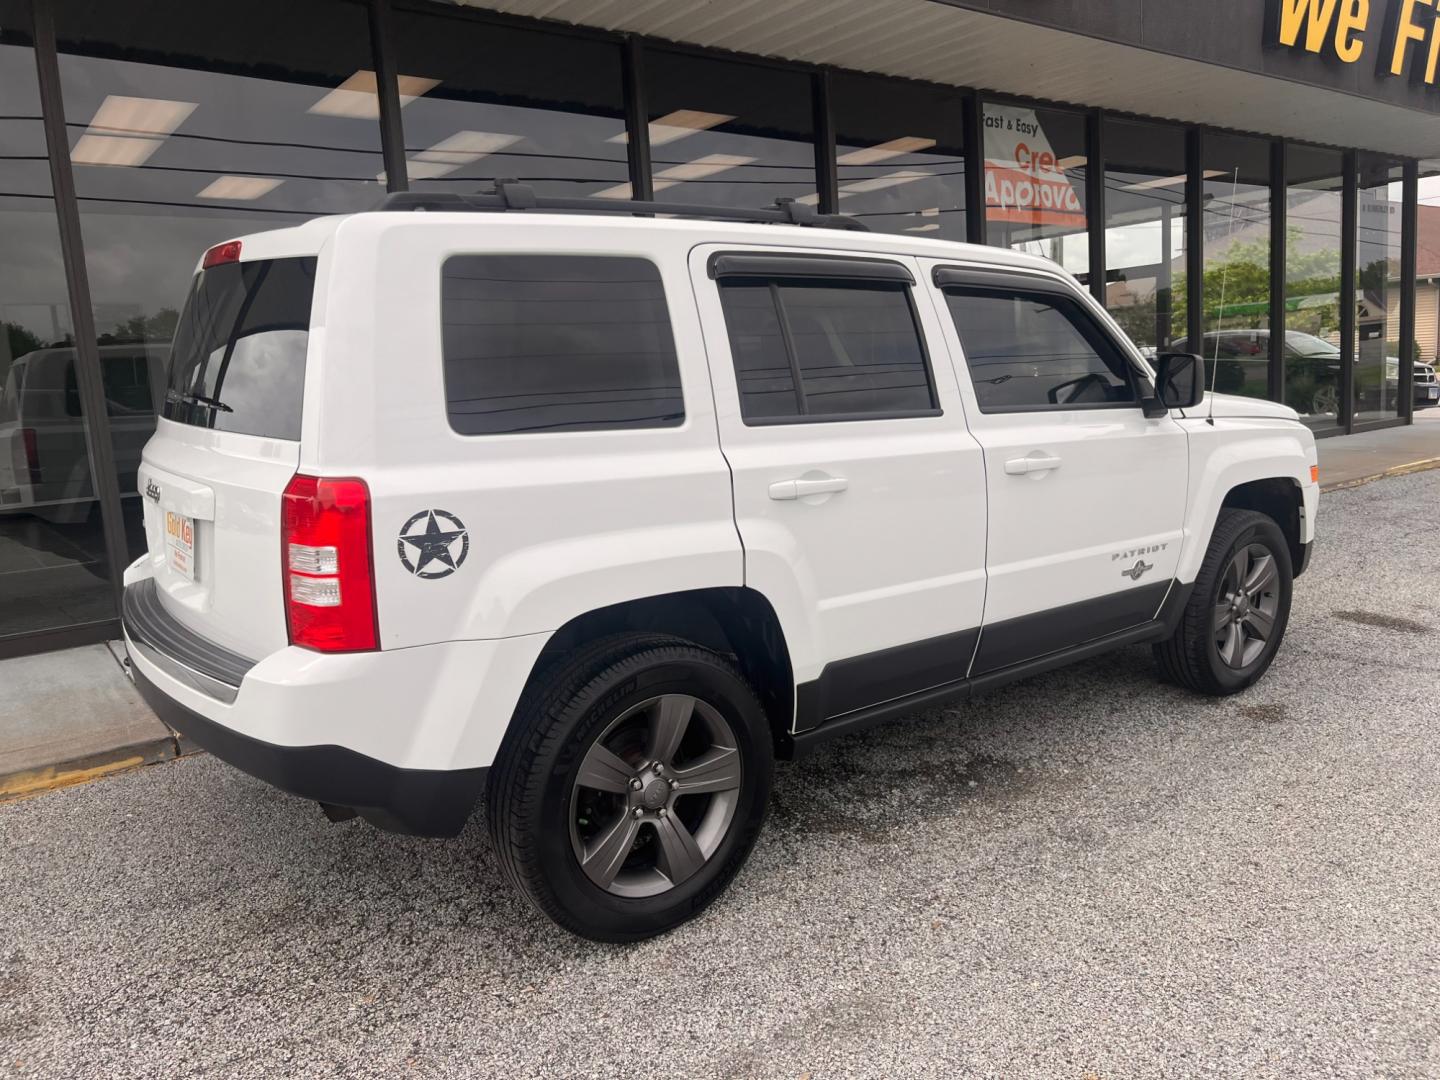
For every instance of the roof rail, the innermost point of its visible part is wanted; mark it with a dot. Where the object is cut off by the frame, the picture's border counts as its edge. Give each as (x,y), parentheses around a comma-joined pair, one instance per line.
(512,195)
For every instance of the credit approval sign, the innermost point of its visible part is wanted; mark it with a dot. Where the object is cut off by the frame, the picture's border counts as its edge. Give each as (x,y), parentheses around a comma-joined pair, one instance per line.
(1024,182)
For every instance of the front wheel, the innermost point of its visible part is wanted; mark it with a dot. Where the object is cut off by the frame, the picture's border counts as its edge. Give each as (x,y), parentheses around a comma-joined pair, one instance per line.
(1236,615)
(632,786)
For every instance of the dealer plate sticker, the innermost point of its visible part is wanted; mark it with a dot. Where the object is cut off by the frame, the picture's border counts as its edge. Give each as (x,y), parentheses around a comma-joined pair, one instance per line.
(180,544)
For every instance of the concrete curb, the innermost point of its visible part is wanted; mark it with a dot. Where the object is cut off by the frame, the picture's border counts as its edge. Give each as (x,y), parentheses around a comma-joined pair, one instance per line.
(28,782)
(1423,465)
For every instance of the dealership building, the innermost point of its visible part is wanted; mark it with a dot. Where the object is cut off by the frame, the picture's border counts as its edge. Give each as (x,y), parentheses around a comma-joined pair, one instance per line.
(1232,177)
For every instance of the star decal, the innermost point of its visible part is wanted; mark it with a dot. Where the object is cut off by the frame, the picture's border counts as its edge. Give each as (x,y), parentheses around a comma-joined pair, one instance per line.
(434,545)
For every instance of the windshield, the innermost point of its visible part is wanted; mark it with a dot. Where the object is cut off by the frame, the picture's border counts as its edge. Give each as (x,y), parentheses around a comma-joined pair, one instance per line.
(238,362)
(1309,345)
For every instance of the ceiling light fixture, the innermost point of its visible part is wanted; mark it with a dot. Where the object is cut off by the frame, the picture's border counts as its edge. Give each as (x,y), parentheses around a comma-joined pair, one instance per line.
(459,149)
(1169,181)
(120,115)
(906,144)
(876,183)
(238,188)
(701,167)
(619,191)
(114,150)
(358,97)
(677,125)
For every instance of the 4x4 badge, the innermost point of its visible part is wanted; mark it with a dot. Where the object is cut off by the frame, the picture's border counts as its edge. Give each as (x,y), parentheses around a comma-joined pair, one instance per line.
(1135,571)
(438,542)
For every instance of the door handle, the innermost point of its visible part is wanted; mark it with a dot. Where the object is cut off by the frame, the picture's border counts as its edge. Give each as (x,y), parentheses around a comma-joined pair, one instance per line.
(1021,465)
(786,490)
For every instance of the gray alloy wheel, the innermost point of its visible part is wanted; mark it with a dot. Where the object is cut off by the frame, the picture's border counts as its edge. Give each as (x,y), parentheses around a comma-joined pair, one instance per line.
(1246,606)
(655,796)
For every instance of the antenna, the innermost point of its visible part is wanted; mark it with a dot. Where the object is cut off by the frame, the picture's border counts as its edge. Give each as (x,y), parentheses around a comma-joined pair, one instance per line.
(1220,312)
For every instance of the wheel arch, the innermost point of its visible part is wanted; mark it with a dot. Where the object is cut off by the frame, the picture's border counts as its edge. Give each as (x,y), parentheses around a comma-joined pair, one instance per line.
(732,620)
(1279,498)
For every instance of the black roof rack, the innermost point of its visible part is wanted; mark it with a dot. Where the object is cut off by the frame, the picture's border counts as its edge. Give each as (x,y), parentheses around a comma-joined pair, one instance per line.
(512,195)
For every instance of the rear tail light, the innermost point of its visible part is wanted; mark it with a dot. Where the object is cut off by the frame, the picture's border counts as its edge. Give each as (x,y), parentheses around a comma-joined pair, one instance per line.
(220,254)
(328,565)
(32,453)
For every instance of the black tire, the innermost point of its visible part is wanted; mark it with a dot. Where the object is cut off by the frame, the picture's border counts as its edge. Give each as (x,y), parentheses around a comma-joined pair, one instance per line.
(532,796)
(1191,657)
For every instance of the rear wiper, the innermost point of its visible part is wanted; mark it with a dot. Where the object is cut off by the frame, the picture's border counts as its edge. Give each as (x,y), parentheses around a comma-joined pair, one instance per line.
(201,399)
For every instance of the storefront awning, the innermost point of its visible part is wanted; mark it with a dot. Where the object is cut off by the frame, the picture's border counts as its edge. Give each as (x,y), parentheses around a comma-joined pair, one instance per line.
(940,42)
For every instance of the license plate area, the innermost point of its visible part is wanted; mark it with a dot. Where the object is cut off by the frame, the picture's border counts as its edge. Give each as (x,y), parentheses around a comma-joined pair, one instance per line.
(179,531)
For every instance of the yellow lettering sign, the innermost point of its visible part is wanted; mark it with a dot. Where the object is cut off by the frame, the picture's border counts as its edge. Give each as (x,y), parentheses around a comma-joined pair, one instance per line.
(1405,32)
(1354,14)
(1314,15)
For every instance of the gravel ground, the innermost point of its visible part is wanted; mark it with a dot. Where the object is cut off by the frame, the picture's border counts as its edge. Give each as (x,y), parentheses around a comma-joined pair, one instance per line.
(1085,875)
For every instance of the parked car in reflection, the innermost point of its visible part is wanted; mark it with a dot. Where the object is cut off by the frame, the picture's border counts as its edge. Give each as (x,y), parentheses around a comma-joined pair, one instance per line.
(1427,386)
(1312,371)
(44,456)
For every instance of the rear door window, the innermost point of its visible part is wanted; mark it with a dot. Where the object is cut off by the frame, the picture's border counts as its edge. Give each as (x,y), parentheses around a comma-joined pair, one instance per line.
(825,350)
(238,361)
(547,343)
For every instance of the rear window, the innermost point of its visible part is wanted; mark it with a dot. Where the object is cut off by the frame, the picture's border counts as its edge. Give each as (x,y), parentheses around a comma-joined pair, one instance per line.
(557,343)
(238,361)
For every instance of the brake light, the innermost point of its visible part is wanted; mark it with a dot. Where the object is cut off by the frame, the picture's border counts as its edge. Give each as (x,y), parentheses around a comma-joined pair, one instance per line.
(328,564)
(220,254)
(32,453)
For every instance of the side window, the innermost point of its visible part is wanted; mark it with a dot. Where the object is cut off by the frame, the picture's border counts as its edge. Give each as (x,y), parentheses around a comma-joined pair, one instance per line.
(1036,350)
(557,343)
(825,349)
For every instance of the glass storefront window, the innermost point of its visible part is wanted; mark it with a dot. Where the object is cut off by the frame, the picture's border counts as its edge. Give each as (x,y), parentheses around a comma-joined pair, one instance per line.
(900,154)
(728,133)
(480,101)
(1035,183)
(53,571)
(1235,209)
(186,128)
(1314,193)
(1145,186)
(1377,288)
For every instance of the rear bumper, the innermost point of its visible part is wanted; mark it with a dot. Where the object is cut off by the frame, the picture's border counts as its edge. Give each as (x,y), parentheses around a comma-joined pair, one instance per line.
(420,802)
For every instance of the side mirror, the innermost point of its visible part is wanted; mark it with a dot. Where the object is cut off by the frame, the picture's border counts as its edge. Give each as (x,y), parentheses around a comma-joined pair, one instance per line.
(1180,380)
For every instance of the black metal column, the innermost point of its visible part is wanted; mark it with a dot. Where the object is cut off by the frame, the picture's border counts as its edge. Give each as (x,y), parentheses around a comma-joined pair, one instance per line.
(1409,224)
(387,88)
(827,178)
(1349,213)
(974,169)
(1277,270)
(637,120)
(1095,199)
(1194,243)
(87,354)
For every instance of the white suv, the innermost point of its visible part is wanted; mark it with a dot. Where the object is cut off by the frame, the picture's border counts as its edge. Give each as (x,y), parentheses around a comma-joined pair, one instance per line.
(598,515)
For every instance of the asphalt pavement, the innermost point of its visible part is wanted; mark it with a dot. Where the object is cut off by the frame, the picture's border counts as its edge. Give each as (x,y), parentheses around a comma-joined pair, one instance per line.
(1088,874)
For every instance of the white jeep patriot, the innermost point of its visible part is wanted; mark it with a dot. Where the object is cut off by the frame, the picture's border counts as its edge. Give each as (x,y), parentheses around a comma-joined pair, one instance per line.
(595,515)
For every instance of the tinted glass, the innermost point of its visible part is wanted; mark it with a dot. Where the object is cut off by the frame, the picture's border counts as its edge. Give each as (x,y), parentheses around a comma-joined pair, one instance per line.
(557,343)
(1377,288)
(1236,206)
(1145,187)
(726,133)
(900,154)
(53,569)
(1035,350)
(1035,168)
(1315,180)
(855,349)
(238,362)
(195,123)
(757,346)
(482,101)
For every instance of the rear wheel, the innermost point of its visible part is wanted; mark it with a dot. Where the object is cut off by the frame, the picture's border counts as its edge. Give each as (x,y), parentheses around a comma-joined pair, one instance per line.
(1236,615)
(632,786)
